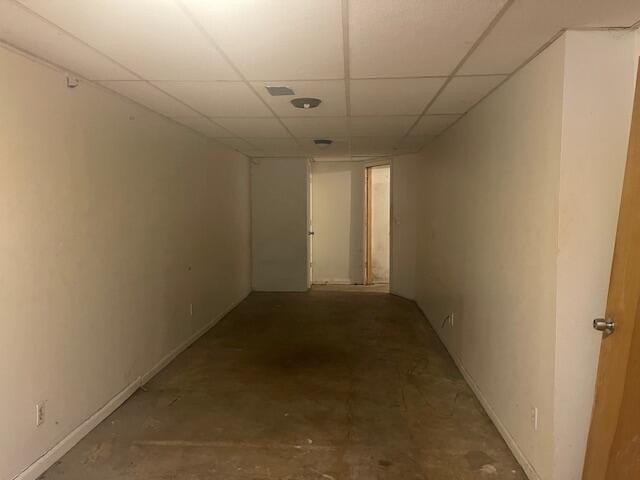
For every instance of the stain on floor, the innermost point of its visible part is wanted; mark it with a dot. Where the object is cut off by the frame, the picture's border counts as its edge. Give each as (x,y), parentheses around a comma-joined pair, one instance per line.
(322,385)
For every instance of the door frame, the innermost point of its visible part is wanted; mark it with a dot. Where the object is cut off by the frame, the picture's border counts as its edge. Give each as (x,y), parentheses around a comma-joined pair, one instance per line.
(366,263)
(613,446)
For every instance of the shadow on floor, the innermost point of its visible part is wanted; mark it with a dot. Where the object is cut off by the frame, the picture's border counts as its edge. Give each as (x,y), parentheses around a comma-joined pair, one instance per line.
(319,385)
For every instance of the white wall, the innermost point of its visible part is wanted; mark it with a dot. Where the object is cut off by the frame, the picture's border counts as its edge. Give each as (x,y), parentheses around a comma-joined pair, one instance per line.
(279,224)
(518,210)
(338,222)
(405,209)
(113,220)
(599,83)
(487,244)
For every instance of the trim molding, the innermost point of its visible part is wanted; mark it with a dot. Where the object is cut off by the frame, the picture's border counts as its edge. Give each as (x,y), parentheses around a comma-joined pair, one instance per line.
(333,281)
(504,432)
(37,468)
(528,468)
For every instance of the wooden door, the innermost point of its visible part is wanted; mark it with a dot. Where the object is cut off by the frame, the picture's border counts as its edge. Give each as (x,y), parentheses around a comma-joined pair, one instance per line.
(613,449)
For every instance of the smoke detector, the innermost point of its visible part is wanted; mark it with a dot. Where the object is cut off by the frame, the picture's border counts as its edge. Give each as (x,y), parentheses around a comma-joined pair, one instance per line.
(306,103)
(323,142)
(279,91)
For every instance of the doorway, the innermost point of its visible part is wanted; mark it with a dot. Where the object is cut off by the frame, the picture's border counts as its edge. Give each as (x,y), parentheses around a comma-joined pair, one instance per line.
(378,224)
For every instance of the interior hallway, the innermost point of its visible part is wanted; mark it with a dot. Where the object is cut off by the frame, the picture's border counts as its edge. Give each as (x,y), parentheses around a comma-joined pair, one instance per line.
(319,385)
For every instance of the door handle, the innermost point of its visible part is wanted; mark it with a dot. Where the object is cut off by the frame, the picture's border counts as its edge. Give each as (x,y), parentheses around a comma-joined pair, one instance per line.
(605,325)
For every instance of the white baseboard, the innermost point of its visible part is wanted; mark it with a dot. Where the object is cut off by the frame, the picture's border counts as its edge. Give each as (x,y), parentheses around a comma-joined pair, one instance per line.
(187,343)
(528,468)
(37,468)
(33,471)
(333,281)
(510,441)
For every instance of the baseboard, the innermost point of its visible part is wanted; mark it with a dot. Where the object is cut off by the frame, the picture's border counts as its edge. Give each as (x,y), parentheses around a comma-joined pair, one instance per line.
(37,468)
(333,281)
(510,441)
(528,468)
(187,343)
(33,471)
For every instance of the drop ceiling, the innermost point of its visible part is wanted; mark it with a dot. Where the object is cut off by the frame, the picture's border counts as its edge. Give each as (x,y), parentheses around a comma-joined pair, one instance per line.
(391,74)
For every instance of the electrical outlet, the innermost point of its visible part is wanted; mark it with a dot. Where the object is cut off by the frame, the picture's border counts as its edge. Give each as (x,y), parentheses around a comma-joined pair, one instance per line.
(534,418)
(191,309)
(39,414)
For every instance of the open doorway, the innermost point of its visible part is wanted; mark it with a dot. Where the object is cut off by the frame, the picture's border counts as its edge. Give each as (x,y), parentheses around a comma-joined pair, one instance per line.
(378,227)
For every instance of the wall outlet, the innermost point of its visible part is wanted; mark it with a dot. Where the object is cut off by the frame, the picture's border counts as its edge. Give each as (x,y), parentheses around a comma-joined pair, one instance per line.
(39,414)
(534,418)
(191,309)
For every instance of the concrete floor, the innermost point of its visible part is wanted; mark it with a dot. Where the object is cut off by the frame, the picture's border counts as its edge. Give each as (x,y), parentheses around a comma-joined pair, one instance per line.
(320,385)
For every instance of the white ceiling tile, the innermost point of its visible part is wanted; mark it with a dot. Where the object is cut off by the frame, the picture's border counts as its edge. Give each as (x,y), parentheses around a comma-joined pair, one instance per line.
(414,37)
(151,97)
(523,29)
(218,99)
(392,96)
(277,146)
(340,146)
(433,124)
(204,125)
(374,145)
(464,92)
(154,38)
(27,31)
(414,144)
(317,127)
(254,127)
(334,158)
(388,126)
(528,24)
(276,39)
(598,13)
(238,144)
(331,92)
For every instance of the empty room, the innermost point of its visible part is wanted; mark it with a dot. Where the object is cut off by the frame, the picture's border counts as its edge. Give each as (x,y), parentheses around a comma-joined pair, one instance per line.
(319,239)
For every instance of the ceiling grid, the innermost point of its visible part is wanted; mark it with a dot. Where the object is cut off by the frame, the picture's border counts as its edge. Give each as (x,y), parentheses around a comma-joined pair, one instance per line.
(391,75)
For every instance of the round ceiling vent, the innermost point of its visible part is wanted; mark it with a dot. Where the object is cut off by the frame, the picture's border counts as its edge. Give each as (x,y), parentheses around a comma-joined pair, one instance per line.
(306,103)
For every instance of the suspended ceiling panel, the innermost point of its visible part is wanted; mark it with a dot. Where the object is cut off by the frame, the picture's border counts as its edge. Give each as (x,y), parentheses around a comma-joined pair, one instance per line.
(20,27)
(254,127)
(410,68)
(151,37)
(433,124)
(217,99)
(528,25)
(331,92)
(276,39)
(394,126)
(392,96)
(237,144)
(317,127)
(463,92)
(411,38)
(340,146)
(204,126)
(150,96)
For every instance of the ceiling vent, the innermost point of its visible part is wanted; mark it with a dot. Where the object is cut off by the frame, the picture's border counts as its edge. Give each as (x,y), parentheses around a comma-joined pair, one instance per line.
(306,103)
(279,91)
(323,142)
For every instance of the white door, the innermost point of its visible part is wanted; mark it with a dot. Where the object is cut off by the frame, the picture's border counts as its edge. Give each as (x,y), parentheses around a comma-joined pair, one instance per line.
(279,224)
